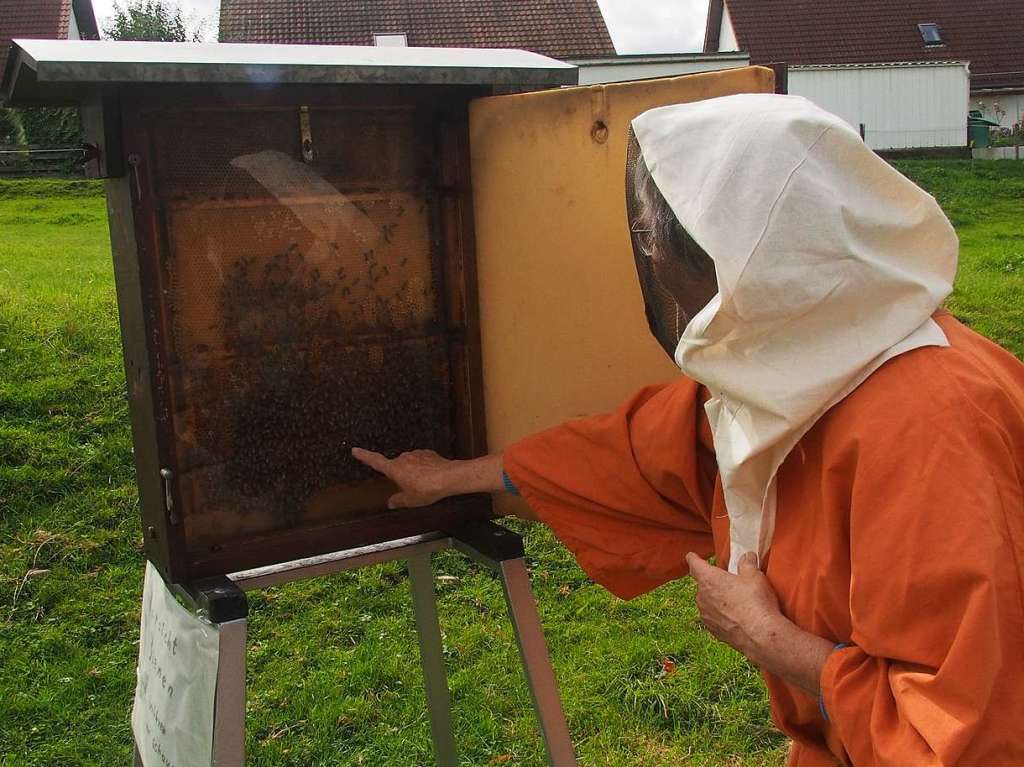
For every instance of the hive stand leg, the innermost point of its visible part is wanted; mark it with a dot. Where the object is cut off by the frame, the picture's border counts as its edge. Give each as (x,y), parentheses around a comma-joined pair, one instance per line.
(229,711)
(502,551)
(533,651)
(435,677)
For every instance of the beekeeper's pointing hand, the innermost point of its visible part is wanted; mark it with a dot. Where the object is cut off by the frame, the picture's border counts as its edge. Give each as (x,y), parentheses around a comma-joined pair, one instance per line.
(423,477)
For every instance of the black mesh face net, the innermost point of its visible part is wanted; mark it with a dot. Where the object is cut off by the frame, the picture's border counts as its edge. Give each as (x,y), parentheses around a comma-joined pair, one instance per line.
(660,245)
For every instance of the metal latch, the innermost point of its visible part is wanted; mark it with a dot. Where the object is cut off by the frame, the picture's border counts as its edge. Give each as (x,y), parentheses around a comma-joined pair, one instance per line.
(307,134)
(133,161)
(167,475)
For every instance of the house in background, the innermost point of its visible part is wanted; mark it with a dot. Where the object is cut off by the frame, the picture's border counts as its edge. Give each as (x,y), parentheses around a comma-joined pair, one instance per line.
(562,29)
(904,70)
(571,30)
(47,19)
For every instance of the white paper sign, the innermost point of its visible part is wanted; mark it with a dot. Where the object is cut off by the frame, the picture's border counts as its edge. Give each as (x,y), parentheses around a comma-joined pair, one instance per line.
(177,679)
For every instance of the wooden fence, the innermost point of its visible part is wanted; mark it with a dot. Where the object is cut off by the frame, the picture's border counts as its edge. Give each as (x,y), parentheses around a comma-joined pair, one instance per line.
(35,160)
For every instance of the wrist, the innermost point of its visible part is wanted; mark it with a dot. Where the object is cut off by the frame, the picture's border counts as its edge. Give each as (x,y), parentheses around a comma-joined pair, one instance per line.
(769,633)
(476,475)
(453,479)
(785,650)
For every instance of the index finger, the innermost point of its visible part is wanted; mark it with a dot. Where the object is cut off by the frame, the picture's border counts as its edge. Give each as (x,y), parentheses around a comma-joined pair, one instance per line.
(700,569)
(375,461)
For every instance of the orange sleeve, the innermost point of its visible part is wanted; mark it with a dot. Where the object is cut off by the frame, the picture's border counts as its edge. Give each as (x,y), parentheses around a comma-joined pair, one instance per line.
(628,492)
(935,599)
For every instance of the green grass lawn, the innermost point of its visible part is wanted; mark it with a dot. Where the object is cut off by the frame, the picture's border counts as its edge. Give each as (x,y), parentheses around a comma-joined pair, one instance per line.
(333,667)
(985,202)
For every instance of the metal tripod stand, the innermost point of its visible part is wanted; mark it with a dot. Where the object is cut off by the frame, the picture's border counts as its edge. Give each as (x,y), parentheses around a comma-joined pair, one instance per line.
(222,601)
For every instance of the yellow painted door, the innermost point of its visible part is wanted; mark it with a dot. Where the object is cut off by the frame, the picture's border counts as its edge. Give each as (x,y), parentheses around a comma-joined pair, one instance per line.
(562,317)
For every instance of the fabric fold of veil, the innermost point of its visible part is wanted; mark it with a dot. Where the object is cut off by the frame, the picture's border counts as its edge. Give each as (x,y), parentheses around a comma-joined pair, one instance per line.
(829,263)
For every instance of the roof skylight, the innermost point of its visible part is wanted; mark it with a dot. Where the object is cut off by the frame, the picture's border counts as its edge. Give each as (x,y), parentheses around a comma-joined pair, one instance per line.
(399,40)
(931,33)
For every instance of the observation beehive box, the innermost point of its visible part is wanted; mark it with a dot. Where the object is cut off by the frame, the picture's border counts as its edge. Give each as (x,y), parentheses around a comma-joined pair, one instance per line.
(296,265)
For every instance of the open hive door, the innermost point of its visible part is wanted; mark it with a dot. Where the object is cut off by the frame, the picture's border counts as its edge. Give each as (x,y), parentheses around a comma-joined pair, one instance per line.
(561,314)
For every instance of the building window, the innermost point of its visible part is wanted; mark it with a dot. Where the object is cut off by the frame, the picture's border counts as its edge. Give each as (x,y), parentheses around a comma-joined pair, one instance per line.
(931,33)
(391,40)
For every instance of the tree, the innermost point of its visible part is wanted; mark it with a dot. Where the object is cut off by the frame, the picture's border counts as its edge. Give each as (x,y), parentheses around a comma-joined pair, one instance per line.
(155,20)
(51,126)
(12,128)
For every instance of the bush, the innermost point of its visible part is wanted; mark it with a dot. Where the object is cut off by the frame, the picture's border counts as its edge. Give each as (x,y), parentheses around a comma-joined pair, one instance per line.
(51,127)
(12,130)
(1013,136)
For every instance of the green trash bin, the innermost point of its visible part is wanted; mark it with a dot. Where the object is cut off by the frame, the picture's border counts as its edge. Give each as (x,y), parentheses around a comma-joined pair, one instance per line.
(978,130)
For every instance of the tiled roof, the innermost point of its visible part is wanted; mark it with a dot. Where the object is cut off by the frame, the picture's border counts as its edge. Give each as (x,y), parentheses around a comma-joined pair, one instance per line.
(558,28)
(31,18)
(987,33)
(45,19)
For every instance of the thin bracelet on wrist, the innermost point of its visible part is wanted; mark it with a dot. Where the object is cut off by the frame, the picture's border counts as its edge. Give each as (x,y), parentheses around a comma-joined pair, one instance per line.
(510,487)
(821,695)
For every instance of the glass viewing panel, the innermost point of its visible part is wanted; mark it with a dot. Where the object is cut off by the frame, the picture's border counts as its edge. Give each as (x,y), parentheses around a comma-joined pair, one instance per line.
(303,302)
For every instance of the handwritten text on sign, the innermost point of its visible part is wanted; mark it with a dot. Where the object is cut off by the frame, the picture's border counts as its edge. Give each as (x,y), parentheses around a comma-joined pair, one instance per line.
(177,680)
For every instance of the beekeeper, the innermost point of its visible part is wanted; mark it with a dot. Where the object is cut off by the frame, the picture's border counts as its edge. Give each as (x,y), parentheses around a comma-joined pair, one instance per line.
(851,454)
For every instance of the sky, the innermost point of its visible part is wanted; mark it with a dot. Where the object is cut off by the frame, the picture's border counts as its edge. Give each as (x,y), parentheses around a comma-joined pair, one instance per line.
(637,26)
(656,26)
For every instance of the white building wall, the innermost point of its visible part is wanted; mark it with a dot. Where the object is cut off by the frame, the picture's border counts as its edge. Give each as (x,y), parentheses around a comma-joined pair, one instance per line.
(1010,111)
(727,35)
(73,33)
(901,106)
(612,71)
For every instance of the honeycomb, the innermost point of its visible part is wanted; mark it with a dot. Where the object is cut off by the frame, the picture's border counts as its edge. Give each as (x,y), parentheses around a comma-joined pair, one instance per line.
(305,302)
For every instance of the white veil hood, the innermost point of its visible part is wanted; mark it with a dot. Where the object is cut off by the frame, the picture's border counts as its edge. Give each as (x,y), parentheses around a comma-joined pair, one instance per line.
(829,263)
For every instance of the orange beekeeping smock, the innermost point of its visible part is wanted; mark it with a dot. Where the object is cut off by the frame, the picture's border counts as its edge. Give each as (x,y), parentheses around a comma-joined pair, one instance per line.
(899,531)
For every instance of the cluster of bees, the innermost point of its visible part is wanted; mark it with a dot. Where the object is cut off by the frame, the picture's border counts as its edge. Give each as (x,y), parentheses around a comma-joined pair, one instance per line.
(305,381)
